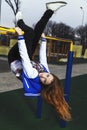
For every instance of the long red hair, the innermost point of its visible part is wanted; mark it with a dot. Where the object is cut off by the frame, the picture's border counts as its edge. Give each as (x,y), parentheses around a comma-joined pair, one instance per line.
(54,95)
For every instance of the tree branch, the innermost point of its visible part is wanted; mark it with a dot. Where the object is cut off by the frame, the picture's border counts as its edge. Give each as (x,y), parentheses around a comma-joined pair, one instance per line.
(15,7)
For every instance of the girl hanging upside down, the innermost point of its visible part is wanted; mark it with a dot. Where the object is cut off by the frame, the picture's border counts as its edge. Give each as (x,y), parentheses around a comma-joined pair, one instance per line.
(35,76)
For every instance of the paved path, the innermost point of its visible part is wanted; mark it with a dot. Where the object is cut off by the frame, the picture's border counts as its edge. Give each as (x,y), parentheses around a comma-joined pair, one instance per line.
(9,82)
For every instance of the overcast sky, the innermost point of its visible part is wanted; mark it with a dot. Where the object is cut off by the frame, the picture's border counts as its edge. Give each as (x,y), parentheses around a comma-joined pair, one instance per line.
(32,10)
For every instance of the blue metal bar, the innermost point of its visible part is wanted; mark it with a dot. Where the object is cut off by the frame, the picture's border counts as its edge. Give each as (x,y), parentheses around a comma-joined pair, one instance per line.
(68,73)
(67,81)
(39,106)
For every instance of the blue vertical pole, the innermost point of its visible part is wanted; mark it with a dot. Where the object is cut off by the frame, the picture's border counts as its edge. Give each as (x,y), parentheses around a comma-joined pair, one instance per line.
(67,81)
(39,106)
(68,76)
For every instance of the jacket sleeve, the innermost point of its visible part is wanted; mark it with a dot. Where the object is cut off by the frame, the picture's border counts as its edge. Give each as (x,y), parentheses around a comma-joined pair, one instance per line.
(29,71)
(42,53)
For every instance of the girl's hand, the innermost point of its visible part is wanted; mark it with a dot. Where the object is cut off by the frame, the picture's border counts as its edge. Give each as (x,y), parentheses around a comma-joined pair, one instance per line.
(19,31)
(43,35)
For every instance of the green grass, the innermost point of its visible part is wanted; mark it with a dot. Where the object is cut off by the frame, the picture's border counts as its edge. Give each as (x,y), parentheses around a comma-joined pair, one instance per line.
(19,113)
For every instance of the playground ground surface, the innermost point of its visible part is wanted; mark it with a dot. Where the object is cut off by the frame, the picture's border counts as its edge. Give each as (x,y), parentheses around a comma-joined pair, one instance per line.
(18,112)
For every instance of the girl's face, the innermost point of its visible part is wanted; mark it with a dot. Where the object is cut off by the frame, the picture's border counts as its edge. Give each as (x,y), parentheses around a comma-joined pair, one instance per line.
(46,78)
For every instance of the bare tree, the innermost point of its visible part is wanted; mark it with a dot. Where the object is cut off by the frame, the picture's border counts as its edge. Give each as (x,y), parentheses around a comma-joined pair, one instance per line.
(59,30)
(15,5)
(82,31)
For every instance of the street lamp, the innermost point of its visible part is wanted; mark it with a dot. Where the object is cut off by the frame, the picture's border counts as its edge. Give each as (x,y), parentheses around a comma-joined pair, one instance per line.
(0,10)
(83,35)
(82,15)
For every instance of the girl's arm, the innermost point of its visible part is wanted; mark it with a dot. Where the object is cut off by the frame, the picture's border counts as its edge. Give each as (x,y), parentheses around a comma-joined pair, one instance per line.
(26,63)
(42,52)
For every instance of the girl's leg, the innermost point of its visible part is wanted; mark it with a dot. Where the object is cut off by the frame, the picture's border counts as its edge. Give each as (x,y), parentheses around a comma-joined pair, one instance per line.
(31,36)
(28,36)
(23,26)
(13,54)
(40,26)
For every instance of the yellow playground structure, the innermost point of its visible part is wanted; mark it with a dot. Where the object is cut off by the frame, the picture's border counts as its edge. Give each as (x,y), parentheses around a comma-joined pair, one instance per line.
(56,47)
(6,39)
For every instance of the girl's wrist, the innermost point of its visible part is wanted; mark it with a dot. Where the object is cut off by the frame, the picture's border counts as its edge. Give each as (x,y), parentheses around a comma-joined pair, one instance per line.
(43,39)
(20,37)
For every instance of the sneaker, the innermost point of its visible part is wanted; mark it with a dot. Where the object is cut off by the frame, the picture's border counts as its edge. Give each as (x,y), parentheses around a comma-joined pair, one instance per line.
(55,5)
(19,16)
